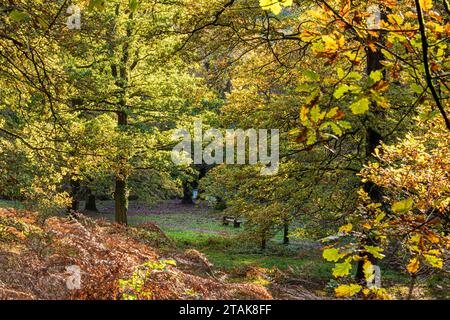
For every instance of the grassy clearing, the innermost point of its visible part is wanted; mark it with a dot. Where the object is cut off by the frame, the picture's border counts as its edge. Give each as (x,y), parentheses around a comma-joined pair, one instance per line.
(5,204)
(232,254)
(202,230)
(201,223)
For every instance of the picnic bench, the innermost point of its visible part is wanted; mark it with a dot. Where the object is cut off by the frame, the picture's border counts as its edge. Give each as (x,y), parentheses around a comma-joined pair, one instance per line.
(227,220)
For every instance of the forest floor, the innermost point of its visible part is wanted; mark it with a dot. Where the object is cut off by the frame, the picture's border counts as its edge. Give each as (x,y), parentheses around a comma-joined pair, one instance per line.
(42,259)
(219,254)
(293,271)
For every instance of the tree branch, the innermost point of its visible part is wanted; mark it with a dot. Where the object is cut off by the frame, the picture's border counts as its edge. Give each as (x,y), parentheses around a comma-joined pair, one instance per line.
(426,64)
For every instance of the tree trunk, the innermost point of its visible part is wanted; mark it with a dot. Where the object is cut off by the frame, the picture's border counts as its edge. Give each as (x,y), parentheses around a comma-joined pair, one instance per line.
(411,287)
(121,192)
(121,74)
(74,192)
(263,240)
(373,140)
(286,233)
(90,202)
(121,201)
(187,193)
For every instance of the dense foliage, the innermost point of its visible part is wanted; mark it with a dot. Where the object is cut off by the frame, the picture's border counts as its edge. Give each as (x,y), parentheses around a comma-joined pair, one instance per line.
(358,89)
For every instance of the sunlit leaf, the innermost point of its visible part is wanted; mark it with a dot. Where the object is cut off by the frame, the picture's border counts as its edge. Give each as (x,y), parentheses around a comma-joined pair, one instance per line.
(342,269)
(434,261)
(19,16)
(346,229)
(375,251)
(361,106)
(332,254)
(403,206)
(344,291)
(369,271)
(413,265)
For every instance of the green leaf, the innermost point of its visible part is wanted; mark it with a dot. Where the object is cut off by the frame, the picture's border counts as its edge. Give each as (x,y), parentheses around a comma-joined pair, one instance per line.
(360,106)
(341,91)
(134,5)
(311,75)
(345,124)
(42,22)
(19,16)
(434,261)
(342,269)
(376,76)
(312,138)
(97,4)
(387,54)
(354,76)
(403,206)
(336,129)
(380,217)
(375,251)
(316,114)
(416,88)
(305,88)
(332,254)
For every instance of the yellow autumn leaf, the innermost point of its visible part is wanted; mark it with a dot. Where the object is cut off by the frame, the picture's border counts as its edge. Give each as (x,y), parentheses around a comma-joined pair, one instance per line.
(332,254)
(375,251)
(426,5)
(344,291)
(342,269)
(395,19)
(434,252)
(330,43)
(433,238)
(276,9)
(304,114)
(346,229)
(434,261)
(403,206)
(369,271)
(276,6)
(367,226)
(361,106)
(413,265)
(332,113)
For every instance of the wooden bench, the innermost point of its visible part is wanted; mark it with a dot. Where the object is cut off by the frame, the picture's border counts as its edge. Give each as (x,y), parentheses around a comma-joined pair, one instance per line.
(228,219)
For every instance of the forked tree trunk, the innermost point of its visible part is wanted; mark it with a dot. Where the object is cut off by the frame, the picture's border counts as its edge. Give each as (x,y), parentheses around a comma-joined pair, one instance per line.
(121,74)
